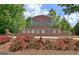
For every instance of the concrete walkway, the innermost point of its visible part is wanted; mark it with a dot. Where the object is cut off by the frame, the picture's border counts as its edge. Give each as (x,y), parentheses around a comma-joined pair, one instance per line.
(57,37)
(46,37)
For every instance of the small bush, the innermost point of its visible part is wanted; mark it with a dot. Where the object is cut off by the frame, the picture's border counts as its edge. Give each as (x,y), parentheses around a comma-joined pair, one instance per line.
(22,41)
(14,47)
(60,44)
(4,39)
(49,47)
(77,44)
(31,45)
(71,45)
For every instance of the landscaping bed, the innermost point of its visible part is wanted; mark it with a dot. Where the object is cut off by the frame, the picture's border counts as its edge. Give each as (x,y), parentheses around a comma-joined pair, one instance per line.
(41,44)
(27,44)
(5,51)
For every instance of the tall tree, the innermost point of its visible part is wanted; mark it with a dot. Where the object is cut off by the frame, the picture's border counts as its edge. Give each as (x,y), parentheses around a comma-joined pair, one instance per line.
(76,29)
(29,22)
(58,22)
(11,17)
(64,25)
(54,17)
(68,9)
(52,13)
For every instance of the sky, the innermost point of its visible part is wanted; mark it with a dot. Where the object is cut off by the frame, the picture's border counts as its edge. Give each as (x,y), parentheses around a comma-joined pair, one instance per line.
(43,9)
(57,8)
(37,9)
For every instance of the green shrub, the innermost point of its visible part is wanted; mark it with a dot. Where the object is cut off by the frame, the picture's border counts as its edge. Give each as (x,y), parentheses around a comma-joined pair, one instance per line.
(31,45)
(14,47)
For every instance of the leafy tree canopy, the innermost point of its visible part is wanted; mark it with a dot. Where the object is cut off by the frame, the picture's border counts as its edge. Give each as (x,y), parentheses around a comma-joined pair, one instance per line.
(29,22)
(70,8)
(11,17)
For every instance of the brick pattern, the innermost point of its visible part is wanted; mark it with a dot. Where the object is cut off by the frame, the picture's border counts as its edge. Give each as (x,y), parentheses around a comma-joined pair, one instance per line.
(45,29)
(41,18)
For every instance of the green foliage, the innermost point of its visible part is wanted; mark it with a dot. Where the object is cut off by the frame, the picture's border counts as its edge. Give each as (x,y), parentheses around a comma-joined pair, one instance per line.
(11,17)
(64,25)
(14,47)
(52,13)
(55,23)
(76,29)
(58,22)
(70,8)
(28,22)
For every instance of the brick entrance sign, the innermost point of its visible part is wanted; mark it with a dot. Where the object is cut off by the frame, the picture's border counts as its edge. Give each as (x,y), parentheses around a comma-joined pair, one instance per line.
(41,25)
